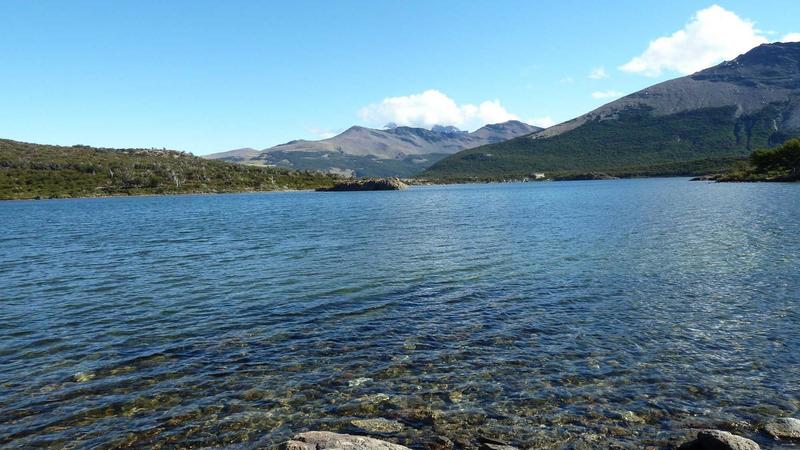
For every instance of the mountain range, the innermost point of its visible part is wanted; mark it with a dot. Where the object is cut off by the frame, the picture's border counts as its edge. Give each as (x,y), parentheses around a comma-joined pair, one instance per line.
(393,151)
(691,124)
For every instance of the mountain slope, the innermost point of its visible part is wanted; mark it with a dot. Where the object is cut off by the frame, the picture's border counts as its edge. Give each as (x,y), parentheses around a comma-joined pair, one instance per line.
(396,151)
(48,171)
(720,113)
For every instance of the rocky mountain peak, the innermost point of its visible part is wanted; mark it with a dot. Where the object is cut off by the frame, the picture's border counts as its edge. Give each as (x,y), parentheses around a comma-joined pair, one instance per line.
(446,129)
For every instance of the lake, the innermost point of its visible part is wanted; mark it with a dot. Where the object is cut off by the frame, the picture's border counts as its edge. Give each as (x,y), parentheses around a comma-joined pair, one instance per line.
(550,315)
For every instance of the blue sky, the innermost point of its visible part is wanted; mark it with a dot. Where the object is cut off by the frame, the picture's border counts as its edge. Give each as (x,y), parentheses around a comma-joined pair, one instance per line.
(206,76)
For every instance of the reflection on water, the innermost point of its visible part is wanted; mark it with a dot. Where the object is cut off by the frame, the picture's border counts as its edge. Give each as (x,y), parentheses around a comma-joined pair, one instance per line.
(551,315)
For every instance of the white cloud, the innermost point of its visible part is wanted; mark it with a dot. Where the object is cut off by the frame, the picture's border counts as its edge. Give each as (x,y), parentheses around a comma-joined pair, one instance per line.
(712,35)
(431,108)
(791,37)
(606,94)
(567,80)
(598,73)
(323,134)
(544,122)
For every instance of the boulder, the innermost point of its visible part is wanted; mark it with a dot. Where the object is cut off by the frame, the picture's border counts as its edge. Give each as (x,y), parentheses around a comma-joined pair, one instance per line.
(322,440)
(784,428)
(719,440)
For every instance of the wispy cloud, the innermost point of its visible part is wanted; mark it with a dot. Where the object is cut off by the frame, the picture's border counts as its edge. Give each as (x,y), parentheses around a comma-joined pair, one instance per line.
(432,107)
(712,35)
(544,122)
(791,37)
(567,80)
(606,94)
(323,134)
(598,73)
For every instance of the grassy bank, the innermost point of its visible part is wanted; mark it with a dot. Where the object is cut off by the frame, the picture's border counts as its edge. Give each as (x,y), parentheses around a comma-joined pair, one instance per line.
(46,171)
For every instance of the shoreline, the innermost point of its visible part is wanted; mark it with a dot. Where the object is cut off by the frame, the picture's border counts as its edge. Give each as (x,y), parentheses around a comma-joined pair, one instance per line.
(382,434)
(175,194)
(410,182)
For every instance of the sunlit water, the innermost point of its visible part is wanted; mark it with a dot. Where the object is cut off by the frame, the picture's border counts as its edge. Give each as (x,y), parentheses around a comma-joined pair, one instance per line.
(550,315)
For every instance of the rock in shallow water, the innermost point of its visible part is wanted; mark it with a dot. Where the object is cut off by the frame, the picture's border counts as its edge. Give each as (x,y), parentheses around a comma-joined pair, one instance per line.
(322,440)
(719,440)
(440,443)
(784,428)
(488,443)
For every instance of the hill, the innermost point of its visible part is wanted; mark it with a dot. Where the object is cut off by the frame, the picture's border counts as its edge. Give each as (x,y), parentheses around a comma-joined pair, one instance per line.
(368,152)
(687,125)
(48,171)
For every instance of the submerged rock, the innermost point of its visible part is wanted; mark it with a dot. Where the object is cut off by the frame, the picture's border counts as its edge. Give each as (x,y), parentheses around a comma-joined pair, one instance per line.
(491,446)
(719,440)
(358,381)
(632,417)
(488,443)
(82,377)
(373,184)
(784,428)
(440,443)
(379,425)
(322,440)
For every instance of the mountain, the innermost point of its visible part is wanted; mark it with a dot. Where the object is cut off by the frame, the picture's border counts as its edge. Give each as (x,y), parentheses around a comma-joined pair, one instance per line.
(237,155)
(691,124)
(394,151)
(49,171)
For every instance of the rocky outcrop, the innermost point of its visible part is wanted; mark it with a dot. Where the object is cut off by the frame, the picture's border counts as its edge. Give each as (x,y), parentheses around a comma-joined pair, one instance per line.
(784,428)
(373,184)
(586,176)
(713,177)
(326,440)
(719,440)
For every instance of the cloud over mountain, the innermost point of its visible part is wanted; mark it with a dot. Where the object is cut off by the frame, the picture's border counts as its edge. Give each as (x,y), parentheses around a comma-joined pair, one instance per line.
(606,94)
(712,35)
(544,122)
(433,107)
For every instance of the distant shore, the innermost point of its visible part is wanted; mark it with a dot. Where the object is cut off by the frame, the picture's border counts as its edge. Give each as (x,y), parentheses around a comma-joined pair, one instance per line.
(164,194)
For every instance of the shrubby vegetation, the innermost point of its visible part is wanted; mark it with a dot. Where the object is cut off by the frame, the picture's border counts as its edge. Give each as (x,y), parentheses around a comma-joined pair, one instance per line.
(48,171)
(781,163)
(636,143)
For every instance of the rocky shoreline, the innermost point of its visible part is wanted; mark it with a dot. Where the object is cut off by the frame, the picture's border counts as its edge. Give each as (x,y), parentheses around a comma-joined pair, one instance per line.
(781,431)
(371,184)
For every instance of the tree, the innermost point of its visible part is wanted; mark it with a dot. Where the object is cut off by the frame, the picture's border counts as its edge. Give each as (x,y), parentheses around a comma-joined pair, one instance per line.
(783,158)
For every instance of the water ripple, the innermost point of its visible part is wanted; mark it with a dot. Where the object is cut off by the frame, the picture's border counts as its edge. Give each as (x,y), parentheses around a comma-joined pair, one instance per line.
(545,314)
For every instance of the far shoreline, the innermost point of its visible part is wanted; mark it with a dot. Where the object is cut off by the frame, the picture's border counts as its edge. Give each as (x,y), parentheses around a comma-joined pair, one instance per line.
(410,182)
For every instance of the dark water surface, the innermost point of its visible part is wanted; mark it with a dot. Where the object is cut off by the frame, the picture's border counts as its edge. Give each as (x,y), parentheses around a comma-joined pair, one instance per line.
(552,315)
